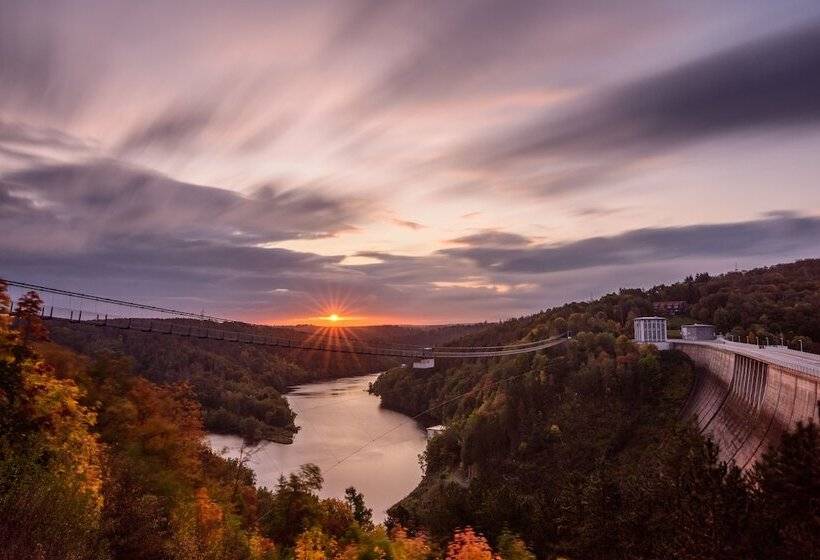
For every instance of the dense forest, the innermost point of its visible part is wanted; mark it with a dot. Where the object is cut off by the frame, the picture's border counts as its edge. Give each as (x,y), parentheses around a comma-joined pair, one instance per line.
(240,386)
(98,463)
(774,302)
(581,449)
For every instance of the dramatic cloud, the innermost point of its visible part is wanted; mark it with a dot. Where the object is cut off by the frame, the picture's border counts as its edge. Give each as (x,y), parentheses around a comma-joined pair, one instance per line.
(168,131)
(23,145)
(776,235)
(89,203)
(768,83)
(428,161)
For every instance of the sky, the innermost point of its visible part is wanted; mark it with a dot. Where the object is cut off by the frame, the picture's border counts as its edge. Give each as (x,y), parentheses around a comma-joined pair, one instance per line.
(403,161)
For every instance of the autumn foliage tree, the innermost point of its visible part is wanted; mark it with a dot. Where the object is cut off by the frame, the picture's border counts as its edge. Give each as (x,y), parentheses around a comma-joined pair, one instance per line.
(97,463)
(29,322)
(5,305)
(406,547)
(313,544)
(469,545)
(50,458)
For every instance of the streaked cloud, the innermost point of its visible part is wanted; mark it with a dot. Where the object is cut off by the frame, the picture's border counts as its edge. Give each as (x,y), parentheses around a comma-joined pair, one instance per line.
(429,160)
(409,224)
(492,238)
(780,234)
(84,204)
(767,83)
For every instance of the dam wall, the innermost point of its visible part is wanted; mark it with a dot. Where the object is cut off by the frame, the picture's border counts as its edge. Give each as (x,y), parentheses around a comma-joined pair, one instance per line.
(745,399)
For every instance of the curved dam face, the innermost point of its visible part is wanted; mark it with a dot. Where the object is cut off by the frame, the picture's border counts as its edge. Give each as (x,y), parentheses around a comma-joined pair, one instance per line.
(745,401)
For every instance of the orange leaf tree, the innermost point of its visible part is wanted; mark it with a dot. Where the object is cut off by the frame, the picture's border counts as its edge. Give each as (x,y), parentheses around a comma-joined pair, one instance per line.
(469,545)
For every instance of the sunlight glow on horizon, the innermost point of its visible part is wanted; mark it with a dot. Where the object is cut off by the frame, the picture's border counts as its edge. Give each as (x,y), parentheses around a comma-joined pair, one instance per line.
(344,321)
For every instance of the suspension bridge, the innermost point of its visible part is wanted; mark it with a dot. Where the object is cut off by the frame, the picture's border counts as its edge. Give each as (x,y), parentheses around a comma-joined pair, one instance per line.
(95,310)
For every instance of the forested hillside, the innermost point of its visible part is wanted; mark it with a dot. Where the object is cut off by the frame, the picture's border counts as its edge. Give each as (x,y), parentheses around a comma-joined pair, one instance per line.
(240,386)
(771,301)
(98,463)
(581,448)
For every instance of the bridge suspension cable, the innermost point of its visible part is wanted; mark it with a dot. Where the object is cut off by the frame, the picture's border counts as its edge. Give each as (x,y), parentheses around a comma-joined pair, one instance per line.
(116,302)
(198,325)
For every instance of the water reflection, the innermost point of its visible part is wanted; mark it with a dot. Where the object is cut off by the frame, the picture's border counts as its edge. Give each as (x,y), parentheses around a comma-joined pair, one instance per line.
(337,421)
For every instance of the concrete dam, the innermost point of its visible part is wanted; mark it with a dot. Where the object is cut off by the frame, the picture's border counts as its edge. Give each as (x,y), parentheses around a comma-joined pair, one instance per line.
(745,397)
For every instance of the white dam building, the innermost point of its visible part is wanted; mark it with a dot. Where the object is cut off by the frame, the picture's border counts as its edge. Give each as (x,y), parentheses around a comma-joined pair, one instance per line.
(651,330)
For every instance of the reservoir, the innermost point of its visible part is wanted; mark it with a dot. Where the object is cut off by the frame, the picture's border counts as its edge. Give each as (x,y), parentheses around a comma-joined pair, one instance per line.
(338,421)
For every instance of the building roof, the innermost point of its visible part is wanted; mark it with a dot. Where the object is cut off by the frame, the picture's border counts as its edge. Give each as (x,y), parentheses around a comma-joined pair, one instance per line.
(644,318)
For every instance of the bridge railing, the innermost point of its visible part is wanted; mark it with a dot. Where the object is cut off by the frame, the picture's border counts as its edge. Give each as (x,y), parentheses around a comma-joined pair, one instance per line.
(193,328)
(90,309)
(806,365)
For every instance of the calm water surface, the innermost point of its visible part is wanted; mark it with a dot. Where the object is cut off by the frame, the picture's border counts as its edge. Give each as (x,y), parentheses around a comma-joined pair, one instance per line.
(336,419)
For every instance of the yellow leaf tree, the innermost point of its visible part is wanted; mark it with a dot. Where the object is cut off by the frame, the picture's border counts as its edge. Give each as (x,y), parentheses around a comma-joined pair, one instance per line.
(313,544)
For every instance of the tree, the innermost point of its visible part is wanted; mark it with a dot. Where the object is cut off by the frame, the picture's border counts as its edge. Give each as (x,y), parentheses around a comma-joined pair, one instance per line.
(469,545)
(5,303)
(337,518)
(294,507)
(45,516)
(361,513)
(30,325)
(408,548)
(50,459)
(313,544)
(511,547)
(786,497)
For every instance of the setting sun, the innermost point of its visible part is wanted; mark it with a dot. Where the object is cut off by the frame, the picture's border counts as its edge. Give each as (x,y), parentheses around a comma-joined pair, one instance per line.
(333,317)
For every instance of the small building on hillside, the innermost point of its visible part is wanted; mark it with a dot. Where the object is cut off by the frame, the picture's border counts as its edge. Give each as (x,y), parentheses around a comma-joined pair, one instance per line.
(670,308)
(651,330)
(433,431)
(698,331)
